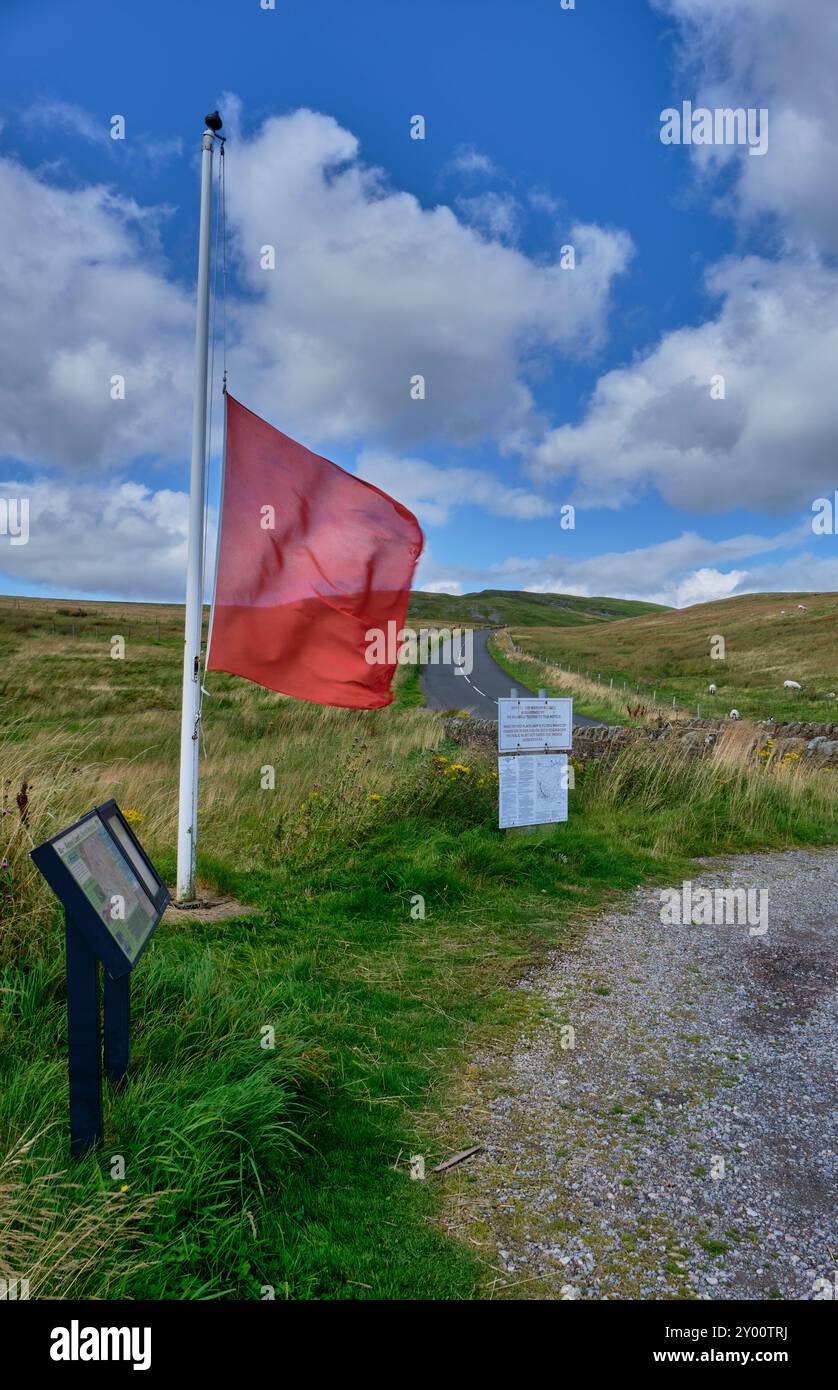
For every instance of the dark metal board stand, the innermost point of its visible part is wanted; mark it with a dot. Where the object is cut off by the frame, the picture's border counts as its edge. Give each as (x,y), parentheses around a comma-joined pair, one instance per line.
(117,1029)
(83,1044)
(113,899)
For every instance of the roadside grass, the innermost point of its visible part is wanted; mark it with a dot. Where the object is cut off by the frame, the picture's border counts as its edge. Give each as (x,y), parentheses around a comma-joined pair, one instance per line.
(408,688)
(390,916)
(768,639)
(590,697)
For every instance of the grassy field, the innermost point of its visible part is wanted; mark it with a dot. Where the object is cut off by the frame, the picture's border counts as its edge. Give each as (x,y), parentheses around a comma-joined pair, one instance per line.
(388,917)
(768,639)
(590,696)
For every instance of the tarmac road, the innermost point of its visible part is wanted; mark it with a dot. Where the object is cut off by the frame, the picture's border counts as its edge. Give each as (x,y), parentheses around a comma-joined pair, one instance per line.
(478,691)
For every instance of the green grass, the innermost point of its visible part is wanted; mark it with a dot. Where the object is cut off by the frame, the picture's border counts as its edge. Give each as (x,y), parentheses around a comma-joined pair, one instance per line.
(408,690)
(534,674)
(768,638)
(288,1167)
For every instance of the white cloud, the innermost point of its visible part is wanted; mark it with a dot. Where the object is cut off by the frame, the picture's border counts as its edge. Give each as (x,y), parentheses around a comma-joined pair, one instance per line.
(469,162)
(370,289)
(770,445)
(443,586)
(497,215)
(109,538)
(83,285)
(66,116)
(542,201)
(782,55)
(684,570)
(47,117)
(124,539)
(706,585)
(434,493)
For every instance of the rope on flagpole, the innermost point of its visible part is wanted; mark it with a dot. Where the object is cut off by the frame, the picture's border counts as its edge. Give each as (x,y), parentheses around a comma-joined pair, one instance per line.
(213,319)
(222,175)
(220,261)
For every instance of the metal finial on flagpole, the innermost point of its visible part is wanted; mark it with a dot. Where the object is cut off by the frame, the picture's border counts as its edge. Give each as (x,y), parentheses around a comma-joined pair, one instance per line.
(191,707)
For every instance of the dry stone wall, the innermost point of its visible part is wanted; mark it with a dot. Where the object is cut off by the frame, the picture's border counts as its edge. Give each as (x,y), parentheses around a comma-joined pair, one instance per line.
(813,743)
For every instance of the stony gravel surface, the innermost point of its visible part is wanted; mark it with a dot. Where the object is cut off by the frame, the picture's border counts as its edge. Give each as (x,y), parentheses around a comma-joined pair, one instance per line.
(682,1141)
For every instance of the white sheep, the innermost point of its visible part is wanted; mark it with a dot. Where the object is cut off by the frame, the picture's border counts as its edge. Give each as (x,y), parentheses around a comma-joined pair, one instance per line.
(711,690)
(792,685)
(734,714)
(802,607)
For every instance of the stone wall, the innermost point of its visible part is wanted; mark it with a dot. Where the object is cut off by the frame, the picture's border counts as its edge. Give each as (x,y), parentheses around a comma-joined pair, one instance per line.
(813,743)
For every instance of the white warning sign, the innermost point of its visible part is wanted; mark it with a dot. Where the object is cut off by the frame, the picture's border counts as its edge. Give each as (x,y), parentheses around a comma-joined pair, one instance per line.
(535,726)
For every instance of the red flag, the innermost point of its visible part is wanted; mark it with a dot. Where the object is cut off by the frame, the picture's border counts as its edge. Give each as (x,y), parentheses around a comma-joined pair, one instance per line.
(310,559)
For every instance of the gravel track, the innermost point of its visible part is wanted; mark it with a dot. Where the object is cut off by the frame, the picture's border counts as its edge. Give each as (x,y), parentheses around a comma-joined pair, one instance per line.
(684,1145)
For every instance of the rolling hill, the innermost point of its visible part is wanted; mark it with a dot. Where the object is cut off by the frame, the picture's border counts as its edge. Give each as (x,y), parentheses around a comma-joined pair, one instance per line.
(768,638)
(490,608)
(503,607)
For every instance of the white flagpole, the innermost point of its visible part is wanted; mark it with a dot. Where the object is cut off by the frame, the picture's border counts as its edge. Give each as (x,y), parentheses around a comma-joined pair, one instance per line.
(187,835)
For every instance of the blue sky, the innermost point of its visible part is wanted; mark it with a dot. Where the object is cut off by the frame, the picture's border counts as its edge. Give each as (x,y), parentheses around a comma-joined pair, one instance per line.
(589,386)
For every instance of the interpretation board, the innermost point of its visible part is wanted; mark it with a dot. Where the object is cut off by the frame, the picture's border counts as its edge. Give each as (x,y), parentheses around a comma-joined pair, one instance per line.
(533,789)
(535,725)
(113,899)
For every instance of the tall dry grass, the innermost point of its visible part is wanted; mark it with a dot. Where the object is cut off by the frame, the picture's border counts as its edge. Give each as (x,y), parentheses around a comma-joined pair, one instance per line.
(269,769)
(626,706)
(63,1238)
(729,798)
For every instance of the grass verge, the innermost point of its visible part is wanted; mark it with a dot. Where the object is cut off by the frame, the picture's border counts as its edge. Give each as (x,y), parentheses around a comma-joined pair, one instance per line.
(287,1065)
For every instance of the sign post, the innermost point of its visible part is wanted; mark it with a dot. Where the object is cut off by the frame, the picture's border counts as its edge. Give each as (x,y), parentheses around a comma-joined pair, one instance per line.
(83,1044)
(113,899)
(534,739)
(117,1028)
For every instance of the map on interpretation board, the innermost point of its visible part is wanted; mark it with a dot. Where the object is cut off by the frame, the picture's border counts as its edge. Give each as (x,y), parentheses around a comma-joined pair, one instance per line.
(104,875)
(533,789)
